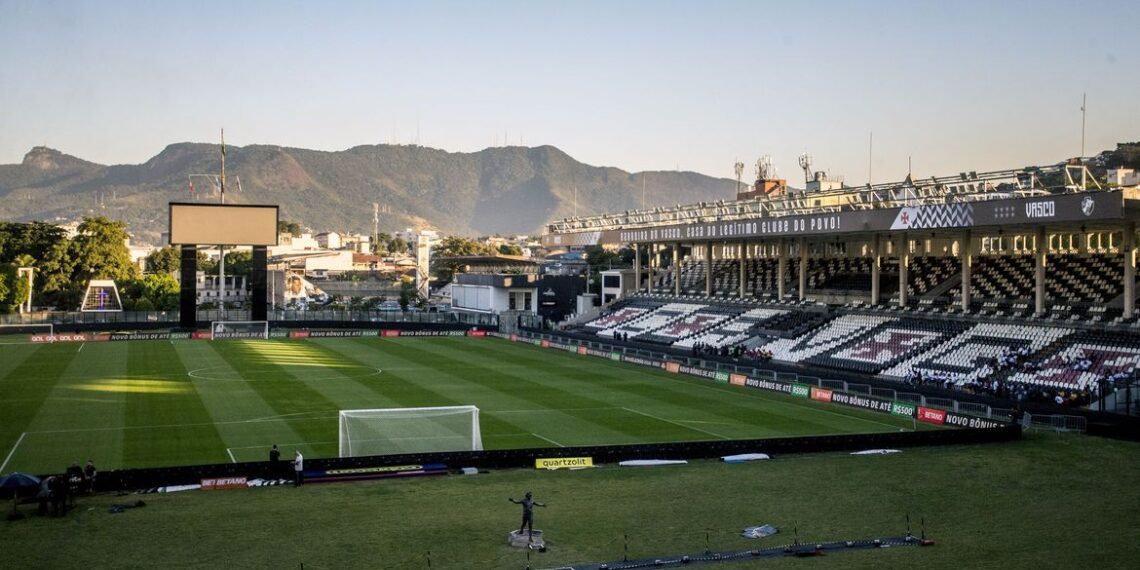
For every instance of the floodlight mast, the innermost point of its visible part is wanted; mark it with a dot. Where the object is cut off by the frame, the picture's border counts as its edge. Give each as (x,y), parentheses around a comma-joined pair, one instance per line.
(219,184)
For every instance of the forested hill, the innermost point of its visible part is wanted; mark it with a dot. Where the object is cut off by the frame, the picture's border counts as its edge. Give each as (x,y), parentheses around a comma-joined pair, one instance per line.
(503,190)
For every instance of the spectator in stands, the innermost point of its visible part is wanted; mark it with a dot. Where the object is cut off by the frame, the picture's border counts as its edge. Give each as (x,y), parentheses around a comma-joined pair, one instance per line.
(299,468)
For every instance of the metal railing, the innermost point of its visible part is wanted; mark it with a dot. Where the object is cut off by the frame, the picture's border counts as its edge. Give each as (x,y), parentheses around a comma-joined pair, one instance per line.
(130,318)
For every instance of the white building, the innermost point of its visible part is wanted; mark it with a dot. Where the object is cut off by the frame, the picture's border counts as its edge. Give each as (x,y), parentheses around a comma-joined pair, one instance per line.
(1123,177)
(288,243)
(334,263)
(329,240)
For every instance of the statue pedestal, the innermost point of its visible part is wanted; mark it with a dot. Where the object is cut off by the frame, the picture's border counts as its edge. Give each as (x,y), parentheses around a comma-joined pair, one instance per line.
(533,540)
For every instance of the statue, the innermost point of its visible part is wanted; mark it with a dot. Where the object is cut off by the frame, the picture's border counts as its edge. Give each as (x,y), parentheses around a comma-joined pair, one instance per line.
(528,505)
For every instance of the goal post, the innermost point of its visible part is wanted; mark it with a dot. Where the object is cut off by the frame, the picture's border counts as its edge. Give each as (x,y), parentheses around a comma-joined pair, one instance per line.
(239,329)
(389,431)
(40,332)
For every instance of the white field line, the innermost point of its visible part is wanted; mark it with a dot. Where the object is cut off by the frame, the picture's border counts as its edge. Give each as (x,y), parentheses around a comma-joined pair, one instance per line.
(278,417)
(80,349)
(284,445)
(232,460)
(547,439)
(678,424)
(548,410)
(168,426)
(13,452)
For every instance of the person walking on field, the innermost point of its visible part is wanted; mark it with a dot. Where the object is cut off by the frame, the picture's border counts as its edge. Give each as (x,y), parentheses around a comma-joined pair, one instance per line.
(528,505)
(299,467)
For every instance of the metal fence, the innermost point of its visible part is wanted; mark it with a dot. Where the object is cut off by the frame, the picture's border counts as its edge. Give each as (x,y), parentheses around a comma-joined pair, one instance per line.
(129,318)
(1055,422)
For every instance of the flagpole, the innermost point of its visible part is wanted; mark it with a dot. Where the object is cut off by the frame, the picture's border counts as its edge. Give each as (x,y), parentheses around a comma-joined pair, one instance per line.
(222,248)
(1084,99)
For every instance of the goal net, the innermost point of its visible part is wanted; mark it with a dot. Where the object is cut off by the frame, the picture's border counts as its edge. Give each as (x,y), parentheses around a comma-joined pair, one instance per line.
(409,430)
(21,333)
(102,296)
(239,329)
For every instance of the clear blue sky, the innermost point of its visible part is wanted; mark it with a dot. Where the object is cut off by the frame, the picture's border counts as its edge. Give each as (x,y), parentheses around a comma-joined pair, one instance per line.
(640,85)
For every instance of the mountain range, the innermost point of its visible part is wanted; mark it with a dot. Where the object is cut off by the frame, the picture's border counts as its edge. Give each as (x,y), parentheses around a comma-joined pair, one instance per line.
(503,190)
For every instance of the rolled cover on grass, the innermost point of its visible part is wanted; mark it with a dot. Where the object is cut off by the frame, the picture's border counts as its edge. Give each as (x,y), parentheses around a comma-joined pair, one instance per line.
(741,458)
(651,462)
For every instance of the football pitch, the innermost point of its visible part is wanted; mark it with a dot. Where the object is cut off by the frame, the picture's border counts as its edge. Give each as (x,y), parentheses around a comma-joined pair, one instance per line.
(185,402)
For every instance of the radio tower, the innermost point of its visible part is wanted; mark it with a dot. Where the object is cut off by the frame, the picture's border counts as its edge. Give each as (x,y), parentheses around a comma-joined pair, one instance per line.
(375,221)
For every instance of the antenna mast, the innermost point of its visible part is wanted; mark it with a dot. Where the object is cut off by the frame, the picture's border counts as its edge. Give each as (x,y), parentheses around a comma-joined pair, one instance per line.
(870,153)
(375,222)
(805,163)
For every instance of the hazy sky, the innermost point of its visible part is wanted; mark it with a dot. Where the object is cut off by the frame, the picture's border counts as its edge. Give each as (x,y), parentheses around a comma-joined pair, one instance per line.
(640,85)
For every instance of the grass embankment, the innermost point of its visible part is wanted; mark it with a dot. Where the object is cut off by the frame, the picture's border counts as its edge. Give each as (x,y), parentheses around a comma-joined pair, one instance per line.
(1048,501)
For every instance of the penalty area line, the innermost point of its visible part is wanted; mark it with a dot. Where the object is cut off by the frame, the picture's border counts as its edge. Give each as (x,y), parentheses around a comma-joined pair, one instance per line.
(13,452)
(676,423)
(547,439)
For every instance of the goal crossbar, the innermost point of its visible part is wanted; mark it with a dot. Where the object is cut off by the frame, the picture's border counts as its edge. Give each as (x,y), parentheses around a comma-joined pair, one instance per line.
(386,431)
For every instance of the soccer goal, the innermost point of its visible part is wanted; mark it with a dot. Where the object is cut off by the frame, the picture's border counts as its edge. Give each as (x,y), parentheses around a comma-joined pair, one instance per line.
(102,296)
(409,430)
(17,334)
(239,329)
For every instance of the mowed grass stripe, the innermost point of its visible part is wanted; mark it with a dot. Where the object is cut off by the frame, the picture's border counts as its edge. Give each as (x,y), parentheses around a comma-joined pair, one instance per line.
(283,386)
(245,421)
(575,399)
(162,400)
(82,417)
(28,376)
(415,383)
(688,399)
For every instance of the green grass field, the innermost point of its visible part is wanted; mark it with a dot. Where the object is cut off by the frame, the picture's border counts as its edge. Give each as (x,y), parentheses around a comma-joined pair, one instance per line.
(163,403)
(1048,501)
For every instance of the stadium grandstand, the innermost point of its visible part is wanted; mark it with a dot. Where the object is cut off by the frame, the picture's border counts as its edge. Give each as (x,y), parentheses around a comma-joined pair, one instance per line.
(997,283)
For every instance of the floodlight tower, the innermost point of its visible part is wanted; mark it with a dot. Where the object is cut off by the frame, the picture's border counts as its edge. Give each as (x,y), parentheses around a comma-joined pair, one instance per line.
(739,167)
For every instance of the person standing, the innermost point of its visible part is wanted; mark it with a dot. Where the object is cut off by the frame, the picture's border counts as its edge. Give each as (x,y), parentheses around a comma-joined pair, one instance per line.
(74,483)
(528,505)
(299,468)
(274,462)
(89,473)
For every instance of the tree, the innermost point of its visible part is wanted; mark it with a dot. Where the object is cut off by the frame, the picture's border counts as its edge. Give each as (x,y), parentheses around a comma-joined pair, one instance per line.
(397,245)
(206,265)
(510,249)
(408,293)
(454,246)
(292,228)
(165,260)
(381,241)
(100,251)
(239,262)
